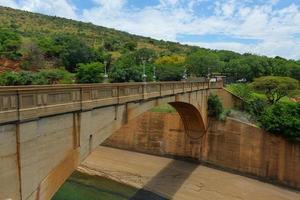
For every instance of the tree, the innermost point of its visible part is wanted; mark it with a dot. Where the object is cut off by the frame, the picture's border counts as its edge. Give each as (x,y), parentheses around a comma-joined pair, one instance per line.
(282,119)
(130,45)
(89,73)
(33,56)
(144,55)
(169,72)
(10,43)
(69,49)
(202,63)
(275,87)
(215,107)
(125,69)
(172,59)
(170,68)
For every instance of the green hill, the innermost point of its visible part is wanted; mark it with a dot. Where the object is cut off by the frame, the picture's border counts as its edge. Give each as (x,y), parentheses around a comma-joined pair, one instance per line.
(47,49)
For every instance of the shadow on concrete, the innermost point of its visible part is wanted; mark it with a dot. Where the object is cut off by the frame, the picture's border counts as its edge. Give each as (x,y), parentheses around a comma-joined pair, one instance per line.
(167,182)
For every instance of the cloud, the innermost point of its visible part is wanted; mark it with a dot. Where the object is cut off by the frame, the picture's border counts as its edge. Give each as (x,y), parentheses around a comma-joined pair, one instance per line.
(273,26)
(62,8)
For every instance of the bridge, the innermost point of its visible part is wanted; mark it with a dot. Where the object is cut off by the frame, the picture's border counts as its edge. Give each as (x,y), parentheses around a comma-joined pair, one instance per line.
(47,131)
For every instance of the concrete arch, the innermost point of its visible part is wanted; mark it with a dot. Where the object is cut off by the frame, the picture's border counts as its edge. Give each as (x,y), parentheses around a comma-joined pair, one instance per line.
(192,120)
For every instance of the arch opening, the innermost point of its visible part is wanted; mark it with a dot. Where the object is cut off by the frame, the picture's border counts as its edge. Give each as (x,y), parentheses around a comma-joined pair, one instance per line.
(192,120)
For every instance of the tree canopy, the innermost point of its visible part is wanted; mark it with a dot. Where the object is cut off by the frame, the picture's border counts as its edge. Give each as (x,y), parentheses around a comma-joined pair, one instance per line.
(275,87)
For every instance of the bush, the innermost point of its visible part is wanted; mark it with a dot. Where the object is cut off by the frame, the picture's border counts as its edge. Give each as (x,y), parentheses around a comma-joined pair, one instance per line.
(256,106)
(54,76)
(283,119)
(215,107)
(89,73)
(241,90)
(44,77)
(9,79)
(10,43)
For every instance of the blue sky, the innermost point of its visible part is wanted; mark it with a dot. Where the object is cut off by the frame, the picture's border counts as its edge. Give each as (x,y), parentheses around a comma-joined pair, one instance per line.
(264,27)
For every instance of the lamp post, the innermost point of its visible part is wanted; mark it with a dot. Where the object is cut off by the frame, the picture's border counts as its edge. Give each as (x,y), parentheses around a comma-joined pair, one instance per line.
(105,72)
(184,77)
(144,76)
(154,73)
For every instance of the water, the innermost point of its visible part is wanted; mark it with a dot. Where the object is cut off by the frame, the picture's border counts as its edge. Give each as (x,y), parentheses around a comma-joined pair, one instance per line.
(85,187)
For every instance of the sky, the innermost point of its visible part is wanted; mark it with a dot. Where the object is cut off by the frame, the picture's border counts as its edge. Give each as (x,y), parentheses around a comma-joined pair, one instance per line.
(263,27)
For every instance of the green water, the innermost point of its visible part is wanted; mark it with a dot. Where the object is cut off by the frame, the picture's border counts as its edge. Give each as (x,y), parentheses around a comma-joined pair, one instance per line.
(85,187)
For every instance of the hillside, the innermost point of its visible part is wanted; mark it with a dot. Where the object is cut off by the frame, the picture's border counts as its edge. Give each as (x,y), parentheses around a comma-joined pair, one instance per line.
(34,44)
(34,25)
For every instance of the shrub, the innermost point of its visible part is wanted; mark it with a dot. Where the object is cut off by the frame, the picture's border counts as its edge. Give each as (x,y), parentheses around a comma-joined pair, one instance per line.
(283,119)
(89,73)
(43,77)
(9,79)
(215,107)
(256,106)
(241,90)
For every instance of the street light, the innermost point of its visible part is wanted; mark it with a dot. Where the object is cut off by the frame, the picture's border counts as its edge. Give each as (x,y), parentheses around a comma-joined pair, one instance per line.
(184,77)
(154,74)
(105,72)
(144,76)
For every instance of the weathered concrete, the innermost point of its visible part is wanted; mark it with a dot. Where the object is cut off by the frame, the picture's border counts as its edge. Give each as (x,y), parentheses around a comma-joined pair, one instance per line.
(179,180)
(47,131)
(231,145)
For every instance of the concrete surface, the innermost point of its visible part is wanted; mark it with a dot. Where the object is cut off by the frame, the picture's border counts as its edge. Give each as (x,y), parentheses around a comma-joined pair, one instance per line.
(177,179)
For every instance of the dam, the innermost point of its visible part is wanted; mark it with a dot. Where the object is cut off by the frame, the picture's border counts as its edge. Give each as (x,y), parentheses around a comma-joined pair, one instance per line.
(47,132)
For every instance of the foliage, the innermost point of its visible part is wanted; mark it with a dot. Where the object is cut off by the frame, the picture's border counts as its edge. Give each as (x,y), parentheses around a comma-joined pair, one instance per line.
(10,43)
(202,63)
(215,107)
(89,73)
(69,49)
(172,59)
(283,119)
(144,55)
(241,90)
(43,77)
(275,87)
(55,76)
(169,72)
(256,106)
(33,56)
(126,70)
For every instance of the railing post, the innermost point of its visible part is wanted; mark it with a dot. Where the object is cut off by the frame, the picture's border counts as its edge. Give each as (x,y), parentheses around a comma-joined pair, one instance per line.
(173,88)
(144,90)
(81,98)
(160,92)
(118,94)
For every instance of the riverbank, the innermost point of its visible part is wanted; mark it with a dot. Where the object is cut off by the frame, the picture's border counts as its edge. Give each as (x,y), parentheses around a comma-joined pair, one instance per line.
(180,180)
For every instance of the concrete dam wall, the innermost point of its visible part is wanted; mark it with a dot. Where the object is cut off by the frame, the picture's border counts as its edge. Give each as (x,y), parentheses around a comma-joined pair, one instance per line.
(230,145)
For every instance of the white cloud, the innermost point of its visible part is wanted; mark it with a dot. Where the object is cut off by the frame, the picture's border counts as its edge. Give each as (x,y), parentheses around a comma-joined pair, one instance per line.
(62,8)
(9,3)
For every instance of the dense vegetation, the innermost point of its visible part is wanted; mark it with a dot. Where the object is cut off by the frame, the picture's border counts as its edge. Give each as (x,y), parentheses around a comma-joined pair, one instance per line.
(36,43)
(266,101)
